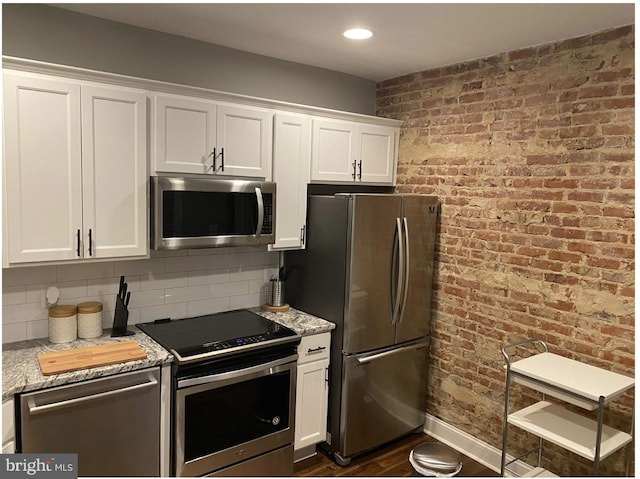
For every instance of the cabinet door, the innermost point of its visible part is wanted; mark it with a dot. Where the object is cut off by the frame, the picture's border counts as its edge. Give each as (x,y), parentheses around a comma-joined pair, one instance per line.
(244,142)
(312,395)
(183,135)
(376,154)
(114,171)
(8,429)
(43,188)
(291,158)
(333,153)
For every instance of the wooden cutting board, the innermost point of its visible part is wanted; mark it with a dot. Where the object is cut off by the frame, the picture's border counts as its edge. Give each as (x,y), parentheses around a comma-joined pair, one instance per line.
(89,357)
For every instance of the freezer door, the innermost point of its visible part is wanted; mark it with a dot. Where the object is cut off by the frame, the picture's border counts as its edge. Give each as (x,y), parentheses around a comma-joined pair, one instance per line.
(384,396)
(368,317)
(419,220)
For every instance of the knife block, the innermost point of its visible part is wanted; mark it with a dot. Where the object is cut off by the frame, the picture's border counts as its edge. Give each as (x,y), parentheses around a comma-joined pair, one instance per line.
(120,318)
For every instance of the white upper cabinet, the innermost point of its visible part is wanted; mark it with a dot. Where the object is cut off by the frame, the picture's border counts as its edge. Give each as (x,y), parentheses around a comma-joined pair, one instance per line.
(183,135)
(291,159)
(75,170)
(191,135)
(42,180)
(348,152)
(114,172)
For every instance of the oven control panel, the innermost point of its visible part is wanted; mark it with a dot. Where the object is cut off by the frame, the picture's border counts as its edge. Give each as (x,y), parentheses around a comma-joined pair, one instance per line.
(234,343)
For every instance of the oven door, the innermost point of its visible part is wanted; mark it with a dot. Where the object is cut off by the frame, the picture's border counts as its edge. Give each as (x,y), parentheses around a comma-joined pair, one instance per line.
(231,416)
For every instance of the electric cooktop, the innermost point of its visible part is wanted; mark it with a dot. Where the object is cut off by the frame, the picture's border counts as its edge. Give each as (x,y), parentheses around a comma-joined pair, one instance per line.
(204,337)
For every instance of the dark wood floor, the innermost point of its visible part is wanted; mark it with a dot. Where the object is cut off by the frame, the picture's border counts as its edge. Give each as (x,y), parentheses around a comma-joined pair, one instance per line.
(391,460)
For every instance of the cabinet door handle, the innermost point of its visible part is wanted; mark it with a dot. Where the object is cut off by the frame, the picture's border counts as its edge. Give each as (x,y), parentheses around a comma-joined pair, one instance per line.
(316,350)
(354,169)
(302,233)
(222,158)
(90,243)
(213,163)
(360,170)
(78,243)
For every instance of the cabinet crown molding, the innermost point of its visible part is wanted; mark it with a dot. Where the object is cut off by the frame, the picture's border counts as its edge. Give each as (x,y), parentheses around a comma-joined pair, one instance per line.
(36,66)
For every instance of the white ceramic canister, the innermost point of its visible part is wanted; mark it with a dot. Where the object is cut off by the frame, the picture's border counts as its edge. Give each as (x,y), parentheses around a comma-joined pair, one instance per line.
(62,323)
(89,319)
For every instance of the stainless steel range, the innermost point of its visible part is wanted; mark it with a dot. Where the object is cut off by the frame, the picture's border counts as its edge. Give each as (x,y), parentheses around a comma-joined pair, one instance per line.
(233,393)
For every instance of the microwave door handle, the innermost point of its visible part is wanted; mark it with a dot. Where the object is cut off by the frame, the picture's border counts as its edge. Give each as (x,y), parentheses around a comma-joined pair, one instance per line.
(260,212)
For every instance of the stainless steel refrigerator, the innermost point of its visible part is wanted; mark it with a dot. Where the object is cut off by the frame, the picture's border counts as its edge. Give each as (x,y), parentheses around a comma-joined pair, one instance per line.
(368,267)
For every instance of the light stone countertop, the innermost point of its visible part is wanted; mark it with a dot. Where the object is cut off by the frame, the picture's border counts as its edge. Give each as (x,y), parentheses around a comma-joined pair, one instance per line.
(21,371)
(302,323)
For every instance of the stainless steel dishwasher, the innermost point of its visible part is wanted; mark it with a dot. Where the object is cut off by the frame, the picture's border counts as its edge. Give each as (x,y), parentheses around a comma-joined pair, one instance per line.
(113,423)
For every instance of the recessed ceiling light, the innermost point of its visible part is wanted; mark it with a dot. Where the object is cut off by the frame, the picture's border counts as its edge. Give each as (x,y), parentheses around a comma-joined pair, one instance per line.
(358,34)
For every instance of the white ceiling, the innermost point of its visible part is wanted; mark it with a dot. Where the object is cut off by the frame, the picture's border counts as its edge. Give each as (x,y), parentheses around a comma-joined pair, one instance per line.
(408,37)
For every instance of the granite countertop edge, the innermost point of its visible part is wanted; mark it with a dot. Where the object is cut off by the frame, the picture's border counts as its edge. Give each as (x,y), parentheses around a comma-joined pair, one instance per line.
(21,371)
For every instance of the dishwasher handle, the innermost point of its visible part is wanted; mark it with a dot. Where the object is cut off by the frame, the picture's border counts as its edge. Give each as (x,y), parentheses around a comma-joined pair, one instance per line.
(34,410)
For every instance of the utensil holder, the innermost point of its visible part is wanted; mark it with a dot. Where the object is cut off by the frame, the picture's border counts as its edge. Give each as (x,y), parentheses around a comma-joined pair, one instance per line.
(277,292)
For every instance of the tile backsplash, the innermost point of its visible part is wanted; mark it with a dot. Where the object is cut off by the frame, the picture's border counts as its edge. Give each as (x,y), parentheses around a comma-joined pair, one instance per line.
(174,284)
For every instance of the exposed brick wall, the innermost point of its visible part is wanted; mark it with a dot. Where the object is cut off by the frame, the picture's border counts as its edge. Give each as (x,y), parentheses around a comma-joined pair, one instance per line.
(531,153)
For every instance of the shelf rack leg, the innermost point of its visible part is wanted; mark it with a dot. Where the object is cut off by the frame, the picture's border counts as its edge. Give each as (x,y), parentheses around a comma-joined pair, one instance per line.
(596,461)
(505,423)
(631,446)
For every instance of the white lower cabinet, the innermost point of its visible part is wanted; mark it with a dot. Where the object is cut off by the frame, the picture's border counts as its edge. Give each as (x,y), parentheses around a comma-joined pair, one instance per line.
(312,394)
(8,429)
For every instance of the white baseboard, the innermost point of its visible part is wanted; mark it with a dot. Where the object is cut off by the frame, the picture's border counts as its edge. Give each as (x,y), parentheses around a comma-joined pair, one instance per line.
(471,446)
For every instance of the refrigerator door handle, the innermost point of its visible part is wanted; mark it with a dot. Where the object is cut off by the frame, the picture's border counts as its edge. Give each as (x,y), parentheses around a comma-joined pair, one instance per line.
(405,282)
(400,273)
(389,352)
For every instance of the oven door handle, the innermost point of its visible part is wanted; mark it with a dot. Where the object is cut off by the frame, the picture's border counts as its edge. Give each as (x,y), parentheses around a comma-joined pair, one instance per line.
(267,367)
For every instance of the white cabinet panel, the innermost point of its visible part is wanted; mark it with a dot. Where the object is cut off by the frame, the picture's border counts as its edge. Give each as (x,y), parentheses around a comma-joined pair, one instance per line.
(8,428)
(114,152)
(376,157)
(183,134)
(291,158)
(43,190)
(192,135)
(333,154)
(348,152)
(75,170)
(312,390)
(244,137)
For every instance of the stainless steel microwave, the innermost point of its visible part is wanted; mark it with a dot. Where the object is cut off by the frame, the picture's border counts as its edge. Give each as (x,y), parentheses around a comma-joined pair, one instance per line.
(205,213)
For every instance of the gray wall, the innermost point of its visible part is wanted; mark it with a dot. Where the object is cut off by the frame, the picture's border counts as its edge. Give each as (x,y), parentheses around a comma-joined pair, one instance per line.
(54,35)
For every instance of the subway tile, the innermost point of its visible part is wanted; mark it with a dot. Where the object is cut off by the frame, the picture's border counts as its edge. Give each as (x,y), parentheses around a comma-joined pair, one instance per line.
(230,289)
(138,267)
(38,329)
(12,332)
(141,299)
(110,286)
(263,259)
(248,274)
(163,280)
(209,306)
(184,264)
(14,295)
(226,261)
(73,272)
(208,277)
(21,313)
(244,301)
(70,290)
(30,275)
(186,294)
(173,311)
(36,293)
